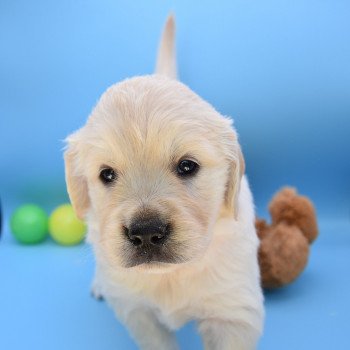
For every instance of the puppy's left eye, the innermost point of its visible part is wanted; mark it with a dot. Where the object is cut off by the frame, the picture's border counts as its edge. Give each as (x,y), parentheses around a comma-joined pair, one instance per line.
(187,167)
(107,175)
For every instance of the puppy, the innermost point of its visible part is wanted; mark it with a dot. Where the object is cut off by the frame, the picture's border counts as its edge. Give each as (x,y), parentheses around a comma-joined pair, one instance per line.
(158,175)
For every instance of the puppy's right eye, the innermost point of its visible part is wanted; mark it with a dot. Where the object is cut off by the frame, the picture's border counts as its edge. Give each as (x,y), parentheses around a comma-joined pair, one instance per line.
(108,175)
(187,167)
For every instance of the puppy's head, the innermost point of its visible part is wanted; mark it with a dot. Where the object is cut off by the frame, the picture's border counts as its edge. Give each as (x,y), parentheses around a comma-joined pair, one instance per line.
(151,171)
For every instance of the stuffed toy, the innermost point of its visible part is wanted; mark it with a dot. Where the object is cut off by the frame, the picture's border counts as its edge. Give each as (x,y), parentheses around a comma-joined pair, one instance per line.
(284,244)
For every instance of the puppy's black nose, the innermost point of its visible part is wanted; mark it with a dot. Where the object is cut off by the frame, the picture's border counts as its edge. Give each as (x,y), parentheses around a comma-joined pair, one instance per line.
(147,231)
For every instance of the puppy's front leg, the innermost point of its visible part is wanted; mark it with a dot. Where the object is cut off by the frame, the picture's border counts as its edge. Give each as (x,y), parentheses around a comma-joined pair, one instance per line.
(96,289)
(146,329)
(228,335)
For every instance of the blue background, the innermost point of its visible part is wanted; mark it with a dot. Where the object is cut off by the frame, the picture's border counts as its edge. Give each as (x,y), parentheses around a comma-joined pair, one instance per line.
(280,68)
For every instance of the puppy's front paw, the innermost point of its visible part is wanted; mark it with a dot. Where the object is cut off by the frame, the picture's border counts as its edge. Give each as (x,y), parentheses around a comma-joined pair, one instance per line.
(96,292)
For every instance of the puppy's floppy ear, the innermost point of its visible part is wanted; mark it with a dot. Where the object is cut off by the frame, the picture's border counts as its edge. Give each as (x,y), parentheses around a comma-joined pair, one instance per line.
(236,171)
(76,183)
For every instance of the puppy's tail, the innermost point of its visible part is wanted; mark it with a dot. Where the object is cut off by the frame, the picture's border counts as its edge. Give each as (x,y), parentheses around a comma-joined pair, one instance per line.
(166,60)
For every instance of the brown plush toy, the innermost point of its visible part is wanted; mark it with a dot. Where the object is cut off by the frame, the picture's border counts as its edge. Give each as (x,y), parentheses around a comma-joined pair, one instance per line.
(284,245)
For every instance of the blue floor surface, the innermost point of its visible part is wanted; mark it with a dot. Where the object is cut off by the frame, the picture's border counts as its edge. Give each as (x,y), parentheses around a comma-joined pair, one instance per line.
(45,302)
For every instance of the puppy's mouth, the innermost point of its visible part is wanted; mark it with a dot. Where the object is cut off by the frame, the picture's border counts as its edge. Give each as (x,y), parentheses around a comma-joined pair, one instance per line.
(151,255)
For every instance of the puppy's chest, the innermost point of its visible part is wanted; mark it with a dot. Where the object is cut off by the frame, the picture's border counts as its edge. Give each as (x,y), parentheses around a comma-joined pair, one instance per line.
(172,300)
(174,318)
(174,303)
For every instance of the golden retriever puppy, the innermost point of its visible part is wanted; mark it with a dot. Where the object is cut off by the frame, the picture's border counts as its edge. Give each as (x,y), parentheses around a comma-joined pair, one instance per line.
(158,175)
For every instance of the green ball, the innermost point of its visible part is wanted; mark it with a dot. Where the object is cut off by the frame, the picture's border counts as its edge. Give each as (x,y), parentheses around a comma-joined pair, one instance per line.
(29,224)
(64,227)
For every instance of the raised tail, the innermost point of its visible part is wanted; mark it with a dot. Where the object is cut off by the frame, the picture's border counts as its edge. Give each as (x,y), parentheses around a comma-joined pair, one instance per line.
(166,59)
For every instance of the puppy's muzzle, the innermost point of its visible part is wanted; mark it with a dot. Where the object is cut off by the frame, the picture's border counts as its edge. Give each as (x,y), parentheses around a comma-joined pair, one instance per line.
(149,231)
(149,239)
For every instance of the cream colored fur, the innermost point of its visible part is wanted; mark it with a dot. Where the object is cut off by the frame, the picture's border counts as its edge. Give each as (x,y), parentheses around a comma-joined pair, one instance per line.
(141,127)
